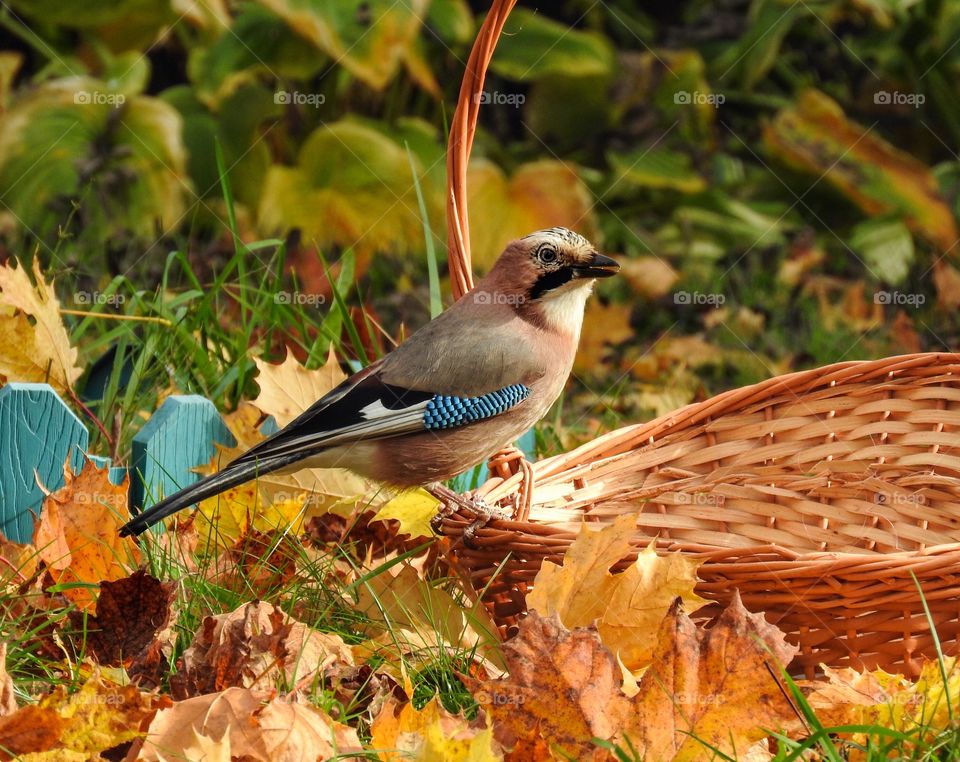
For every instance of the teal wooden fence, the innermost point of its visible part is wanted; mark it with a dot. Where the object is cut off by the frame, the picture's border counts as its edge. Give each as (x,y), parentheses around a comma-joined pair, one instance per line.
(38,432)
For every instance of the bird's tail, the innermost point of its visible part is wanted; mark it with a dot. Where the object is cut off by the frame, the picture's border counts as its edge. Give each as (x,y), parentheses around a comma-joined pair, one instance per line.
(230,476)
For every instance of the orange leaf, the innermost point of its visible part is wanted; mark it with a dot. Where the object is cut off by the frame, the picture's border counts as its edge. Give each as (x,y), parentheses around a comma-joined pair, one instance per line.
(715,689)
(563,690)
(77,534)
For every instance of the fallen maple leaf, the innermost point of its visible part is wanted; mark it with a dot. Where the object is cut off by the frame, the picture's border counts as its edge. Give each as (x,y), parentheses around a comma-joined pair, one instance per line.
(627,607)
(563,690)
(131,615)
(255,646)
(34,345)
(711,691)
(287,389)
(430,734)
(77,534)
(847,697)
(253,725)
(413,509)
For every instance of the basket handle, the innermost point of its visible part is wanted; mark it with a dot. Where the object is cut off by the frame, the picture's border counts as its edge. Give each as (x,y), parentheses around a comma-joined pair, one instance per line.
(462,129)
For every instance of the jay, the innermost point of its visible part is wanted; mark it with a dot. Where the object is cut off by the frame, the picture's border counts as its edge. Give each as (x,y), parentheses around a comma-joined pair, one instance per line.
(457,391)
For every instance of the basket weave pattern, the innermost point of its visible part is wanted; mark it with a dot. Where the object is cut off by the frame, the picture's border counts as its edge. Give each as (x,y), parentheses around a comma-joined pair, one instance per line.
(816,494)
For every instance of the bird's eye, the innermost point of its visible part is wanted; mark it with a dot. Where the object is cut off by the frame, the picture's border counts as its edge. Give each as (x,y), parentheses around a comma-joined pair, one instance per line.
(547,255)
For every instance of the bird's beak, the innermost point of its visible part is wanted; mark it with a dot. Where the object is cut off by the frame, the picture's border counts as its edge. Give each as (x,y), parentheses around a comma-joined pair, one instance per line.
(599,267)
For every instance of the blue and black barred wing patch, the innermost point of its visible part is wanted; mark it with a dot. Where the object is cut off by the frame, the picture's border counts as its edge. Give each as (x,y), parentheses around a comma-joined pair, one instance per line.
(371,409)
(447,412)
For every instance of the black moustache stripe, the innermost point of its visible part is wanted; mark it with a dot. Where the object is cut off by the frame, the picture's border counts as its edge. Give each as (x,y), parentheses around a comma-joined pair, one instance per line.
(551,280)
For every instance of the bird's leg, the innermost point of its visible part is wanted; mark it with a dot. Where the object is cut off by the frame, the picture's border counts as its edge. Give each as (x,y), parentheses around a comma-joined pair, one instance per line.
(451,501)
(485,514)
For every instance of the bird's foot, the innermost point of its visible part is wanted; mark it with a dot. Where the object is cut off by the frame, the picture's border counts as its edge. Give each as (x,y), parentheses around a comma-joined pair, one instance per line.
(485,514)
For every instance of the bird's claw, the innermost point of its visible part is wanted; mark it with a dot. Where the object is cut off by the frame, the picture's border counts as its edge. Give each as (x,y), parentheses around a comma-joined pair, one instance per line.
(485,514)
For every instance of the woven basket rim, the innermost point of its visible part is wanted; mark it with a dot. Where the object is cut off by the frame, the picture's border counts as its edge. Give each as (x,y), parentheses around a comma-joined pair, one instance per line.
(795,382)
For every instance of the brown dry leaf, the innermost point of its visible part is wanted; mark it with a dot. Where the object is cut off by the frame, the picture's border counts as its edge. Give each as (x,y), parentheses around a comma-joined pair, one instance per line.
(627,607)
(34,345)
(603,325)
(650,276)
(430,734)
(257,561)
(253,647)
(815,135)
(563,690)
(254,725)
(540,194)
(131,617)
(947,281)
(905,334)
(77,534)
(711,689)
(30,729)
(8,696)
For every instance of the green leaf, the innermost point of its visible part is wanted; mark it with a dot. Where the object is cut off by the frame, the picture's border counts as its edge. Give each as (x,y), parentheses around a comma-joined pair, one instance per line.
(533,46)
(92,13)
(655,168)
(755,53)
(258,43)
(75,141)
(886,247)
(451,20)
(351,187)
(369,39)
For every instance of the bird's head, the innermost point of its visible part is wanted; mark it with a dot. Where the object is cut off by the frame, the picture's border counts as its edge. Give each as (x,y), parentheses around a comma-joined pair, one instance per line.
(549,274)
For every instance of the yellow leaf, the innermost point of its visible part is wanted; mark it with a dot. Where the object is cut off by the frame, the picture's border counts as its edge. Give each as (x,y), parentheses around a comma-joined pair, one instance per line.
(430,734)
(413,509)
(34,345)
(627,607)
(603,325)
(539,195)
(77,534)
(287,389)
(399,598)
(815,135)
(222,519)
(101,715)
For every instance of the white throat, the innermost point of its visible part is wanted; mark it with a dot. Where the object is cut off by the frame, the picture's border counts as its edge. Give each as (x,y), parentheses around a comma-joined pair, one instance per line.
(563,309)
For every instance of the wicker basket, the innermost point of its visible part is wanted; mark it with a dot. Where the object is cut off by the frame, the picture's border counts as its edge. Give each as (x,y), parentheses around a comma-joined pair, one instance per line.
(816,494)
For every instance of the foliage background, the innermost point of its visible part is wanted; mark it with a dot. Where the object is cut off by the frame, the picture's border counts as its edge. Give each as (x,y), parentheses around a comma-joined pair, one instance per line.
(779,178)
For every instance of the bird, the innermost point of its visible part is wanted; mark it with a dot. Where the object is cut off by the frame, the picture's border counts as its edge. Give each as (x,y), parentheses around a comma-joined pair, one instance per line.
(458,390)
